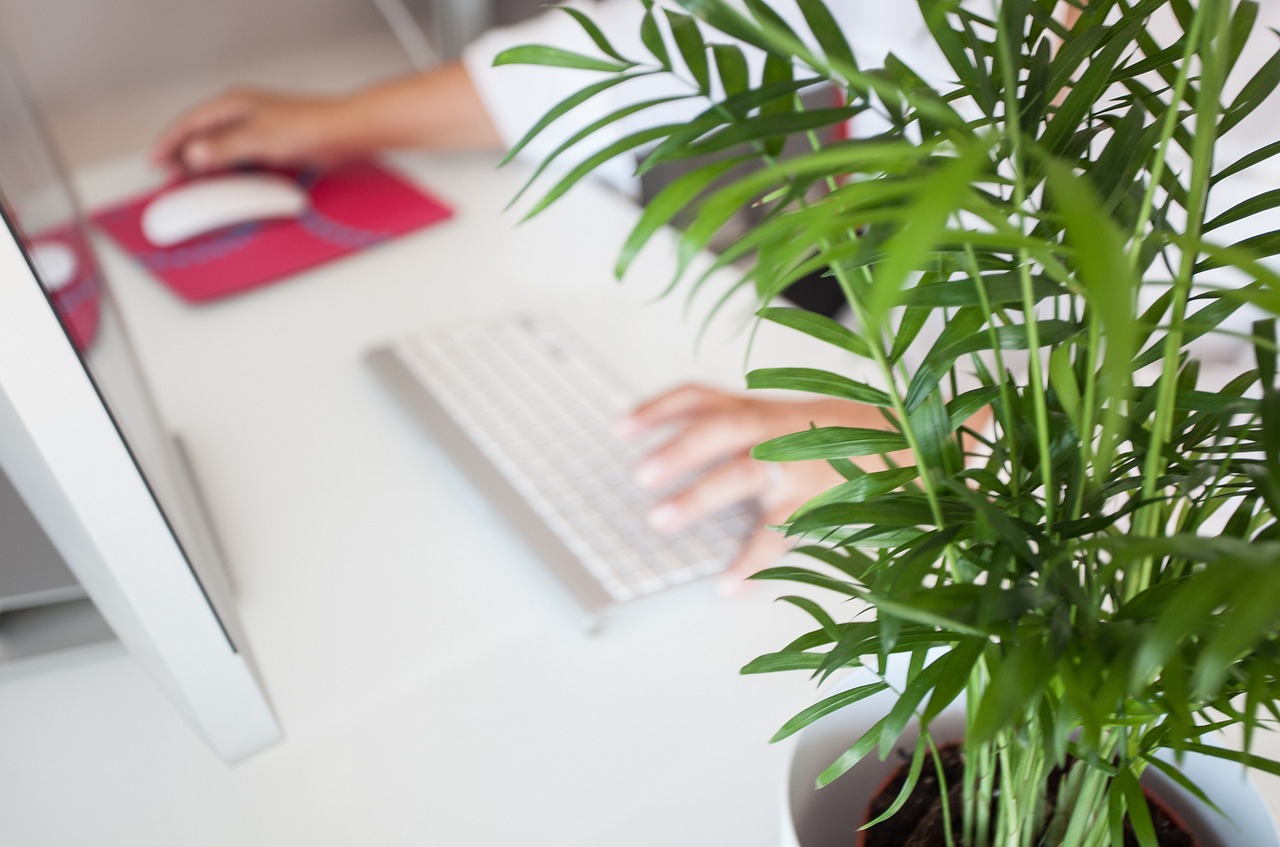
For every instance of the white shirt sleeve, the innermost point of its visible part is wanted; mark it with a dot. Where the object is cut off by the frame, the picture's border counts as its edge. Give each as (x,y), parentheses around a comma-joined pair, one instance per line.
(516,96)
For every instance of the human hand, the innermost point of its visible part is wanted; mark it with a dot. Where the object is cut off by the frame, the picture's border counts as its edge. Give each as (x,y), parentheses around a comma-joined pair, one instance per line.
(251,126)
(714,433)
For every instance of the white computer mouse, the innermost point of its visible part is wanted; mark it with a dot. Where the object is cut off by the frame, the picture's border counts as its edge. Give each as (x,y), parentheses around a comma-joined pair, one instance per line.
(55,262)
(210,203)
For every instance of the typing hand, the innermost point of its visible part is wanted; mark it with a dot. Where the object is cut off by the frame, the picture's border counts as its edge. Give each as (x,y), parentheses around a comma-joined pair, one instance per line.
(714,433)
(249,126)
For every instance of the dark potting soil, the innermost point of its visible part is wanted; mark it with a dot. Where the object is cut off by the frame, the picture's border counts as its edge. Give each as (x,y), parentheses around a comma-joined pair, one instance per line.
(919,823)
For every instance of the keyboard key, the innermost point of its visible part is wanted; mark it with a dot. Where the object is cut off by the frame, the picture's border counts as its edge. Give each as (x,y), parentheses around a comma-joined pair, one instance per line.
(541,410)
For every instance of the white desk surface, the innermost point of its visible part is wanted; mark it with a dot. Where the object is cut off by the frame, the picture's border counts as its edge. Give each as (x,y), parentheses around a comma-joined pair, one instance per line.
(433,685)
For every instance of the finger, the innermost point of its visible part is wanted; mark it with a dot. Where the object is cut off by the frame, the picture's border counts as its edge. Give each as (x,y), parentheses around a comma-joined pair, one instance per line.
(235,146)
(731,482)
(763,549)
(707,440)
(677,404)
(206,117)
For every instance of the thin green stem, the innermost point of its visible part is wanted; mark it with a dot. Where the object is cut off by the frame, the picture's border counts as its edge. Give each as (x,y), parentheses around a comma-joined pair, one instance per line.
(1017,160)
(1170,123)
(1068,799)
(852,297)
(1006,398)
(881,360)
(943,792)
(1087,411)
(980,767)
(1084,818)
(1207,115)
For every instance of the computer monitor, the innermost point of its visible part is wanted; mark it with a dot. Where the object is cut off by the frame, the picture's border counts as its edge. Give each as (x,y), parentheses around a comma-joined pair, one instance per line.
(82,444)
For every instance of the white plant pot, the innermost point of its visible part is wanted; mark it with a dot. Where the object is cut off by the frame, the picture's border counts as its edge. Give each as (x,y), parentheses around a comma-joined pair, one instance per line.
(830,817)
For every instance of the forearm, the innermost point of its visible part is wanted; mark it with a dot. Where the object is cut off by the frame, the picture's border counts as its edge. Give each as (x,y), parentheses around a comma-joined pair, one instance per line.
(436,110)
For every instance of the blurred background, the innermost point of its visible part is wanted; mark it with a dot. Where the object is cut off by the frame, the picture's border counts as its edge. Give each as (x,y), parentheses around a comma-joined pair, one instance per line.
(108,74)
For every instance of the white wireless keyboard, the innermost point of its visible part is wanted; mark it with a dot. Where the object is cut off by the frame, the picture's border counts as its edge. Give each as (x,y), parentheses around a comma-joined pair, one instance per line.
(528,414)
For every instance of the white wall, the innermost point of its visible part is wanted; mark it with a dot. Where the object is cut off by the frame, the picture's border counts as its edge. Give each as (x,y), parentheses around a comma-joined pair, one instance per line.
(108,73)
(69,44)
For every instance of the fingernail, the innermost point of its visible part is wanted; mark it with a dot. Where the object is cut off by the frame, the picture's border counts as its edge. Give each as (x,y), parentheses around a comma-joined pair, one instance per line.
(665,518)
(197,155)
(626,427)
(648,474)
(730,585)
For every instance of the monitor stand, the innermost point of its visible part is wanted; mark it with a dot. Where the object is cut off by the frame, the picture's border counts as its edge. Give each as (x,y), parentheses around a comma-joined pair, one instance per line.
(43,609)
(31,572)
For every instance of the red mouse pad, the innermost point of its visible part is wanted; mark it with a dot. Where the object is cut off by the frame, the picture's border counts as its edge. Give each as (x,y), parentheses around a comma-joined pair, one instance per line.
(352,206)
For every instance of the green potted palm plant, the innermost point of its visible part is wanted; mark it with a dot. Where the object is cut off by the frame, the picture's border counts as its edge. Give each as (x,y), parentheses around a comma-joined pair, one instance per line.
(1080,549)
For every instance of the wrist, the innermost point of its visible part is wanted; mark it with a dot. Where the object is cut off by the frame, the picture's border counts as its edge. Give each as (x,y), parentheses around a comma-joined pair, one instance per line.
(350,124)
